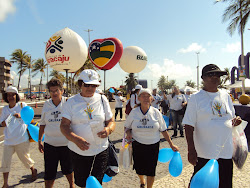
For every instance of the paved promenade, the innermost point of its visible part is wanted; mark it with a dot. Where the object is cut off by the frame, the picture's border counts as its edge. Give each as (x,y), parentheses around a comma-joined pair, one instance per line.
(20,177)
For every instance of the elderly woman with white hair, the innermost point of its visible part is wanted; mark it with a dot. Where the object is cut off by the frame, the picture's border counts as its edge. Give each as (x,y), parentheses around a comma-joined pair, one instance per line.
(16,139)
(87,121)
(144,124)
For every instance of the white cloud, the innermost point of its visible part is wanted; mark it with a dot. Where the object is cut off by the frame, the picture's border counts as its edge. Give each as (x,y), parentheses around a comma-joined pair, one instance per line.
(232,48)
(194,47)
(170,69)
(6,7)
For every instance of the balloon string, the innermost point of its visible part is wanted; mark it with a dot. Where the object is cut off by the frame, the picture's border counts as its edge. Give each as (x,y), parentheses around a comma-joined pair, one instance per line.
(222,147)
(92,166)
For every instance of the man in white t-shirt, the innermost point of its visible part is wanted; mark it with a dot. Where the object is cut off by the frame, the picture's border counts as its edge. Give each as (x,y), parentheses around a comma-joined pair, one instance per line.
(188,94)
(207,134)
(156,99)
(55,143)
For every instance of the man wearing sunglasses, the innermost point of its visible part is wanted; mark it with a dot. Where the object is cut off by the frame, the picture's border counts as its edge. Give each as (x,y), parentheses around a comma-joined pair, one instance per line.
(207,133)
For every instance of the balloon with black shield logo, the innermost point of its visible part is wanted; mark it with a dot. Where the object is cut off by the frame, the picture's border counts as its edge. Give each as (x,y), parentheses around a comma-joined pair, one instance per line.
(66,50)
(133,60)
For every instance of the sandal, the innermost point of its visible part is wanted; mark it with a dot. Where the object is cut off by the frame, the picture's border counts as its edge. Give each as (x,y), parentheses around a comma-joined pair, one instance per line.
(142,185)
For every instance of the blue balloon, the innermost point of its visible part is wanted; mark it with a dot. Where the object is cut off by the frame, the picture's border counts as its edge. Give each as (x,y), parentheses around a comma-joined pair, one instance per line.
(92,182)
(166,119)
(27,114)
(106,178)
(111,90)
(165,155)
(175,165)
(34,132)
(207,176)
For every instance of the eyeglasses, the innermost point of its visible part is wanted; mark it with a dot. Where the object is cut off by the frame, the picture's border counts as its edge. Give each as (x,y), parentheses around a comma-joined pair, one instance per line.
(213,74)
(56,91)
(89,85)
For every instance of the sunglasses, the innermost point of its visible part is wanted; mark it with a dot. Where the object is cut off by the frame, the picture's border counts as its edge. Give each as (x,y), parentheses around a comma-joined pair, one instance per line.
(89,85)
(213,74)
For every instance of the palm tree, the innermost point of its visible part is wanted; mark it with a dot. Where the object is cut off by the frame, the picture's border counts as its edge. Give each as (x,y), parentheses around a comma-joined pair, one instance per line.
(39,66)
(225,78)
(130,81)
(190,83)
(238,13)
(20,57)
(28,65)
(58,75)
(162,83)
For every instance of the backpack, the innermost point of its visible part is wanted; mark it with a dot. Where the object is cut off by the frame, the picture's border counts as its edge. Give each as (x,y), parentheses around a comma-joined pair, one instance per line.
(128,106)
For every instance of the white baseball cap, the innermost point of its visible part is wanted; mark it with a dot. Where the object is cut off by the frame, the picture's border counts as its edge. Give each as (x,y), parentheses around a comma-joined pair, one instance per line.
(89,76)
(138,86)
(145,91)
(11,89)
(119,92)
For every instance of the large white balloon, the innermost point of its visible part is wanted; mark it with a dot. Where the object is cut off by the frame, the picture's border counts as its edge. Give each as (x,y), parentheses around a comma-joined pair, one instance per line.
(66,50)
(133,59)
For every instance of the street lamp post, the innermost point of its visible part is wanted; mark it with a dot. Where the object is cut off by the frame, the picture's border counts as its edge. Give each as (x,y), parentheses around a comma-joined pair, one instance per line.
(198,70)
(89,30)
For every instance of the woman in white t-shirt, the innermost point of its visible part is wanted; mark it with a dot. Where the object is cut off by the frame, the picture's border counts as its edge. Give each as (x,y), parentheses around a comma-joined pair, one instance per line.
(118,104)
(87,121)
(177,101)
(55,144)
(144,124)
(16,138)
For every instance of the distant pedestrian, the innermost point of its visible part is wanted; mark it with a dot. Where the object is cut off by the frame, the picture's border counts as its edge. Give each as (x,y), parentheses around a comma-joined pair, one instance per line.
(156,99)
(16,139)
(55,144)
(118,104)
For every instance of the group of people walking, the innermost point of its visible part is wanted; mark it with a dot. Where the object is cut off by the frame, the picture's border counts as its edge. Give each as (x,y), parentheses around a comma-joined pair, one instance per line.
(76,130)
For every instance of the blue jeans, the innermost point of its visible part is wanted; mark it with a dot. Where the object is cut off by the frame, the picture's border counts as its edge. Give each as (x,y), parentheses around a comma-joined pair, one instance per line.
(177,119)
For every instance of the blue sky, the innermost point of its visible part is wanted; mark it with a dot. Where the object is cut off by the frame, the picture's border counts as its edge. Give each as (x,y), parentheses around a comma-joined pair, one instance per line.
(170,32)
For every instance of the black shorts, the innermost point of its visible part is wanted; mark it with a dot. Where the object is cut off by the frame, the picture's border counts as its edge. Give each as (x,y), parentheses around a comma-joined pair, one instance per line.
(145,158)
(52,155)
(82,166)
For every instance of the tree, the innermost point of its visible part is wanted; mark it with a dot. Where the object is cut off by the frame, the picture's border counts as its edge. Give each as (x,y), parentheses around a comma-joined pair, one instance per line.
(28,65)
(237,13)
(130,81)
(164,84)
(225,78)
(19,57)
(190,83)
(39,67)
(87,65)
(58,75)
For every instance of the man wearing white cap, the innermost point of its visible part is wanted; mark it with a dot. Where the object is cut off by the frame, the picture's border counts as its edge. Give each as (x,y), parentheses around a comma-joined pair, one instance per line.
(188,94)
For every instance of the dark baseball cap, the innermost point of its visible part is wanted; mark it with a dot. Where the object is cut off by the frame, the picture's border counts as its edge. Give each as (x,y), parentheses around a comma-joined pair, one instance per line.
(212,68)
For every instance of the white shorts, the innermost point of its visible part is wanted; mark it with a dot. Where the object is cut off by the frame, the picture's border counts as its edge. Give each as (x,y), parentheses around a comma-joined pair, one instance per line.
(22,151)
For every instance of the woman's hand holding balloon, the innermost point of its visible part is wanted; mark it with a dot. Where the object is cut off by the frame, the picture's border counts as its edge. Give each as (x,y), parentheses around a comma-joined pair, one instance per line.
(174,147)
(192,156)
(81,143)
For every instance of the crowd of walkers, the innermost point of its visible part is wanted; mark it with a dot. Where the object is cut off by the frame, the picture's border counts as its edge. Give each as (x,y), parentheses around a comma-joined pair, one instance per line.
(76,130)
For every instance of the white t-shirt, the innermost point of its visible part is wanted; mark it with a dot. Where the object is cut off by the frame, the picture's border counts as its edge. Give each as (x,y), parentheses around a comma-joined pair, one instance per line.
(176,101)
(157,98)
(146,128)
(87,121)
(51,118)
(134,100)
(208,112)
(118,101)
(19,134)
(187,97)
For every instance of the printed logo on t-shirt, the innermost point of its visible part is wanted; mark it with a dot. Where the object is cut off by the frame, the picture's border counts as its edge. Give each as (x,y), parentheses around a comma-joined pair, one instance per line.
(55,114)
(219,108)
(89,111)
(144,122)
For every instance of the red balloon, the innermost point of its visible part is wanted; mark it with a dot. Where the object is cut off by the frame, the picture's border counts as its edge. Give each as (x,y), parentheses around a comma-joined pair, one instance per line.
(105,53)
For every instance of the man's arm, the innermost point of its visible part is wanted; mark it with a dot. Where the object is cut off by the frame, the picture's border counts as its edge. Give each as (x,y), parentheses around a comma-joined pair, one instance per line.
(68,133)
(192,154)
